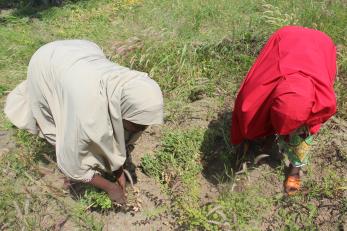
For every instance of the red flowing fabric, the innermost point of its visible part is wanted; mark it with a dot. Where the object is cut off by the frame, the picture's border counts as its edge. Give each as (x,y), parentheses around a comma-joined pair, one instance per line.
(289,85)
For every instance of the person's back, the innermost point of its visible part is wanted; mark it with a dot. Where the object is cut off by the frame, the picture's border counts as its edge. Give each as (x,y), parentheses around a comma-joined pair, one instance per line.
(291,51)
(288,92)
(79,99)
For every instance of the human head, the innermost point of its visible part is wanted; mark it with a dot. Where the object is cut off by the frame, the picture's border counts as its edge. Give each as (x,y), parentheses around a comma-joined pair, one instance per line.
(141,103)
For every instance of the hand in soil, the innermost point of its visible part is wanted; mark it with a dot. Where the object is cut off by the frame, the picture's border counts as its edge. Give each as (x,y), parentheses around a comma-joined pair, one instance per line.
(120,178)
(114,191)
(116,194)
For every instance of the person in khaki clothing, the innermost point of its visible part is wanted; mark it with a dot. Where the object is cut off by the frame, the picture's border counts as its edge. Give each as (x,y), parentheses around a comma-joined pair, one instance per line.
(87,107)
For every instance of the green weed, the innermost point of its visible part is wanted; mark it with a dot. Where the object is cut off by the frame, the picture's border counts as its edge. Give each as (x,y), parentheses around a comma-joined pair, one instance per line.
(328,187)
(93,198)
(3,89)
(176,165)
(179,156)
(236,211)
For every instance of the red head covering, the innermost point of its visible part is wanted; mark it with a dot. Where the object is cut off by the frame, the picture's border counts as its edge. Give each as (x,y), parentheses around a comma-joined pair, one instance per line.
(289,85)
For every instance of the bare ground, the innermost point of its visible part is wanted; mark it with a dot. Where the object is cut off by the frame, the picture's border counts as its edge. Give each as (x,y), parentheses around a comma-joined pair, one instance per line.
(153,212)
(327,156)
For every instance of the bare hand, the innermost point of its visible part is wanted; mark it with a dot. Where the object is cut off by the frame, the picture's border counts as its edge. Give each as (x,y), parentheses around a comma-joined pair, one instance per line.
(120,178)
(114,191)
(116,194)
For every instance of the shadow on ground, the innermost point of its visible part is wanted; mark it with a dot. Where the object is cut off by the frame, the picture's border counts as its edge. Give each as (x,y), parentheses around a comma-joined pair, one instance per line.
(28,8)
(218,155)
(221,159)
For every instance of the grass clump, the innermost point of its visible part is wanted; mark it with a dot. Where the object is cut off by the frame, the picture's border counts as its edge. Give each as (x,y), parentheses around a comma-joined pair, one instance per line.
(331,186)
(178,156)
(8,194)
(26,197)
(3,90)
(176,165)
(245,210)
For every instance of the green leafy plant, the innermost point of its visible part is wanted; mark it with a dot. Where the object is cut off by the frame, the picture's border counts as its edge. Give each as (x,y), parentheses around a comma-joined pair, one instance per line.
(96,199)
(3,89)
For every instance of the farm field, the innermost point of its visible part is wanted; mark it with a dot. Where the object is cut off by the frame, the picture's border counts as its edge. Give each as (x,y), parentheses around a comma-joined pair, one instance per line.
(187,175)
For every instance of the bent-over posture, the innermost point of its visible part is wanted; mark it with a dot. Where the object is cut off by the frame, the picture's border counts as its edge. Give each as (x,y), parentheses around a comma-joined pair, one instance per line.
(87,107)
(289,91)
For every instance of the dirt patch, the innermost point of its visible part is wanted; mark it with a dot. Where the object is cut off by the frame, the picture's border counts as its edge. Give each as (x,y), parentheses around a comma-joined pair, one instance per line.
(154,209)
(46,179)
(329,165)
(123,48)
(197,114)
(52,219)
(155,206)
(45,202)
(6,143)
(325,209)
(204,113)
(208,191)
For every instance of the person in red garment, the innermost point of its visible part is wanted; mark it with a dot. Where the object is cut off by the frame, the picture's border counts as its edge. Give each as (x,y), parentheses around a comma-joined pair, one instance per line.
(288,92)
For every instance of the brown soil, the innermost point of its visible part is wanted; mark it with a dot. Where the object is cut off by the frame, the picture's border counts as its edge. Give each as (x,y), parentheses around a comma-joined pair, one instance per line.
(154,205)
(6,143)
(327,155)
